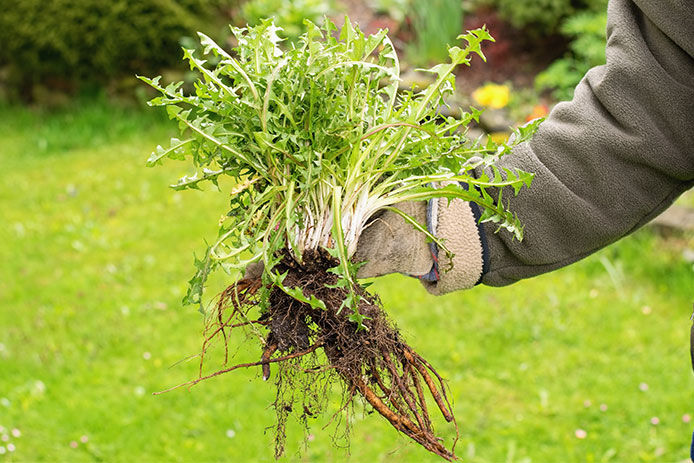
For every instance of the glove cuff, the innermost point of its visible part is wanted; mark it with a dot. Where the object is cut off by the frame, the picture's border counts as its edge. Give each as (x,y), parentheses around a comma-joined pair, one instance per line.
(455,223)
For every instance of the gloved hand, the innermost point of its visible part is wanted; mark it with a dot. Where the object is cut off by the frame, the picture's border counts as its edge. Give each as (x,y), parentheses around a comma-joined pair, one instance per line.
(389,244)
(392,245)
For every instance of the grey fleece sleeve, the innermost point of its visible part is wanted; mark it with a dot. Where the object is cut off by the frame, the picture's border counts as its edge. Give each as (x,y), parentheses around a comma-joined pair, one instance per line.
(615,156)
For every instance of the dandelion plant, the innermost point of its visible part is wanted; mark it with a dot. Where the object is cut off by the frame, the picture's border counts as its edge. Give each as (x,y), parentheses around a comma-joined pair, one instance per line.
(317,138)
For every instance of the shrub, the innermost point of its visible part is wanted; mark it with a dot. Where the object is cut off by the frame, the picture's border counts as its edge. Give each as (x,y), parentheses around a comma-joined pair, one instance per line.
(396,9)
(62,42)
(287,14)
(586,50)
(542,17)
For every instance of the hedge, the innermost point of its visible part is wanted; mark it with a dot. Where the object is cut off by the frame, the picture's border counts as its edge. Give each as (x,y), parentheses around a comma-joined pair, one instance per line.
(64,43)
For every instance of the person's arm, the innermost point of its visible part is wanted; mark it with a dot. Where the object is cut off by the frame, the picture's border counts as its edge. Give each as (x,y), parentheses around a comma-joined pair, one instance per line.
(605,163)
(615,156)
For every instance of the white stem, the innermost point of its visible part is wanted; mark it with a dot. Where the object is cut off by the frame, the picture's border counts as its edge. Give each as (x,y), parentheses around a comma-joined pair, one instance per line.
(358,207)
(358,220)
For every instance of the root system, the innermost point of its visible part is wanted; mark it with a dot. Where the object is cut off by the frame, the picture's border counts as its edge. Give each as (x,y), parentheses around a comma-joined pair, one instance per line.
(311,348)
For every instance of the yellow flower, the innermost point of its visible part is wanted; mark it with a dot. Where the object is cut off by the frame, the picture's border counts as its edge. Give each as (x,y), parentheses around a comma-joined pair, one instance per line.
(499,137)
(492,95)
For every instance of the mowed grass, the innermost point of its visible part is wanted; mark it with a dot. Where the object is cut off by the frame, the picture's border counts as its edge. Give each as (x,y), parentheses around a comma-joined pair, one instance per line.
(587,364)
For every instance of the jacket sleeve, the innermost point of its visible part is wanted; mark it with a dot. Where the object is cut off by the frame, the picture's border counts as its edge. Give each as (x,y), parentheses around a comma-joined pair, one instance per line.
(615,156)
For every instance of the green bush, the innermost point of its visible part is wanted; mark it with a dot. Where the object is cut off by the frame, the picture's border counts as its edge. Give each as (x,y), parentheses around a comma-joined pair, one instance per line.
(396,9)
(541,17)
(586,50)
(63,42)
(288,14)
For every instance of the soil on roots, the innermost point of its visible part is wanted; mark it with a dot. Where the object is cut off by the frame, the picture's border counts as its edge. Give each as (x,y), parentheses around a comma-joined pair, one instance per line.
(313,347)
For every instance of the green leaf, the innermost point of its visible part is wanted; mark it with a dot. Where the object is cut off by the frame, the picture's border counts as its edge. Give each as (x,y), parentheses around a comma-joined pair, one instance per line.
(196,285)
(174,151)
(313,138)
(298,294)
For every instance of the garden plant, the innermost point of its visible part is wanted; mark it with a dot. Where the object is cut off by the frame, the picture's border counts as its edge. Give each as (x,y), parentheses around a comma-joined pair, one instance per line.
(310,142)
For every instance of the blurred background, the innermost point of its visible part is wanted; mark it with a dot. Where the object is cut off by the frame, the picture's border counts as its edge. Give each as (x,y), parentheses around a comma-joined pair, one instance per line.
(587,364)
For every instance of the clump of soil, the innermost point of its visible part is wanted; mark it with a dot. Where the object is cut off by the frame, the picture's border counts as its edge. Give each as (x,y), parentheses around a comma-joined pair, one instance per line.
(313,348)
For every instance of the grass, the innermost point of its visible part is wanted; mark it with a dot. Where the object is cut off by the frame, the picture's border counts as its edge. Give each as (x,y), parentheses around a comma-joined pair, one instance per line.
(95,255)
(435,24)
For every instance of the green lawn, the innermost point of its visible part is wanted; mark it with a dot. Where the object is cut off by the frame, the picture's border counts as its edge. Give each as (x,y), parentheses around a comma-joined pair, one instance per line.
(95,253)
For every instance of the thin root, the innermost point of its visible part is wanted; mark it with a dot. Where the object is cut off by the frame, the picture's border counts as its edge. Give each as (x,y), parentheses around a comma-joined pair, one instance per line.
(265,359)
(243,365)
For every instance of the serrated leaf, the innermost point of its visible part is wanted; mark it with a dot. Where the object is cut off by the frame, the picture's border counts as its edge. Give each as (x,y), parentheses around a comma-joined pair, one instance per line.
(174,151)
(326,138)
(298,294)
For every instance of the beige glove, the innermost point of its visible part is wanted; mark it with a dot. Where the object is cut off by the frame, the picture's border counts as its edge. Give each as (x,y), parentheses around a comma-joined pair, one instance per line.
(391,245)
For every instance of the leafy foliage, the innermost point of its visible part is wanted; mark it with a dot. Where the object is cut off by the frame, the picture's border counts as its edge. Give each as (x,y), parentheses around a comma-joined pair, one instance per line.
(66,42)
(395,9)
(587,50)
(287,14)
(317,139)
(541,17)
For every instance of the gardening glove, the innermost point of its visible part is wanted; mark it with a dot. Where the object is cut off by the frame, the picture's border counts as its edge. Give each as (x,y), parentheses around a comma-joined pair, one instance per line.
(388,244)
(391,245)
